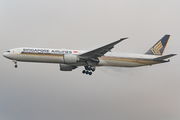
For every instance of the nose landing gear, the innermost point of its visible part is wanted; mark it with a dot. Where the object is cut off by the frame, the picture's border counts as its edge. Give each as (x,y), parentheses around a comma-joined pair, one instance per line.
(15,62)
(88,70)
(15,66)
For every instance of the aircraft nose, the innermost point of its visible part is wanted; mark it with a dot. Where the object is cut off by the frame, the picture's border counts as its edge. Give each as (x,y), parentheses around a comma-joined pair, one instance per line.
(5,54)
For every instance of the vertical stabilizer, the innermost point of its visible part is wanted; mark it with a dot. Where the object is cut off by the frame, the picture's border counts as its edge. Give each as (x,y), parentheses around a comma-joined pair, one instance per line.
(159,47)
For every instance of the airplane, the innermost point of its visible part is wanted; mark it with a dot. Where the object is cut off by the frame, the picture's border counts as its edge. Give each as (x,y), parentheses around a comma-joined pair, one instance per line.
(69,60)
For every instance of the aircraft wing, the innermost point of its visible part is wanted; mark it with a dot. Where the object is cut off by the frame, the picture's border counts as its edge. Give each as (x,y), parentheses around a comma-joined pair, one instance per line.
(100,51)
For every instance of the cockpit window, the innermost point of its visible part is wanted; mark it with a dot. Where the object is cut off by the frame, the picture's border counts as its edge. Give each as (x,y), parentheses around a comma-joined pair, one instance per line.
(8,51)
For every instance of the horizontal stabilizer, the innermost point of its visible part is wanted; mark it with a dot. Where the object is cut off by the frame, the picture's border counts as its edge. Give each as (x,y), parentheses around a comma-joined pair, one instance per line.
(164,57)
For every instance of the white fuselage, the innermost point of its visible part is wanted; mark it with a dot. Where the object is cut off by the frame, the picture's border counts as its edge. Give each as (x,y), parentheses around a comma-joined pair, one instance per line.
(45,55)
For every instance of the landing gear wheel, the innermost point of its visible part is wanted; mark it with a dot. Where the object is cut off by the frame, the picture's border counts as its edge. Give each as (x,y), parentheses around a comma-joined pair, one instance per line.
(15,66)
(93,69)
(86,67)
(83,71)
(90,73)
(87,72)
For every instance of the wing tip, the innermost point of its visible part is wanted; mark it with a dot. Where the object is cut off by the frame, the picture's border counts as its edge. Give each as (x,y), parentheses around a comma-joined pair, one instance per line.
(174,54)
(123,38)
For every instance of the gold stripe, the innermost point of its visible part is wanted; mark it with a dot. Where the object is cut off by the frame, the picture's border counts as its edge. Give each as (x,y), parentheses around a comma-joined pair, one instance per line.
(43,54)
(134,60)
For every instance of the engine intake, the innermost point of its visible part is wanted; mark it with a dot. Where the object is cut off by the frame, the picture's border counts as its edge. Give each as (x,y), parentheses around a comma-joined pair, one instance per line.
(70,58)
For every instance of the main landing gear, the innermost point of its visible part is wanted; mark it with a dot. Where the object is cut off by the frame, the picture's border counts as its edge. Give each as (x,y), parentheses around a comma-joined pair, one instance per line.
(88,70)
(15,62)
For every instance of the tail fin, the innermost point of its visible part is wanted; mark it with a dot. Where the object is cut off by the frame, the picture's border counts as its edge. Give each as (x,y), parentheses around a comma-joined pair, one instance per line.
(159,47)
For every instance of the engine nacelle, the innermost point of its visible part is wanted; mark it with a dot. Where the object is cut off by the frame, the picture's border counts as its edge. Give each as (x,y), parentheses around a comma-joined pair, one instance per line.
(70,58)
(64,67)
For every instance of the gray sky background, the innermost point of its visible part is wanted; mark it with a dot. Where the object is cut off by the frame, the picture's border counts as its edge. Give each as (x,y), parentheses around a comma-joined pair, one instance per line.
(42,92)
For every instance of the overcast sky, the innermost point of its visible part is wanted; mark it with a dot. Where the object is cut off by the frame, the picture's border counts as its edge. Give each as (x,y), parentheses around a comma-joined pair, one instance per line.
(36,91)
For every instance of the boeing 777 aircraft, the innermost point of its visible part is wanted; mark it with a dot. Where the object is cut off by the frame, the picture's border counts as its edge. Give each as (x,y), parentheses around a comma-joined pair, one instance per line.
(102,56)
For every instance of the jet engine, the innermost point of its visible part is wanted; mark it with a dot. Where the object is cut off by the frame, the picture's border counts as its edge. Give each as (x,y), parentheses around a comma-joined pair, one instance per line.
(65,67)
(70,58)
